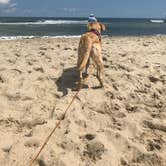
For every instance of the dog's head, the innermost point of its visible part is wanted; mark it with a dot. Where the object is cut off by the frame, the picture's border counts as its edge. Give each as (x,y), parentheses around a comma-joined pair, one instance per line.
(97,26)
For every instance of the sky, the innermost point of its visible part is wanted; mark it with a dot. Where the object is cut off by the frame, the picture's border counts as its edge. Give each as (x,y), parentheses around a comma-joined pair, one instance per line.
(82,8)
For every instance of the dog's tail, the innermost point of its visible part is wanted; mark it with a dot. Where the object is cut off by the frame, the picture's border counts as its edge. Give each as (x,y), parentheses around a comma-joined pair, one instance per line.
(84,49)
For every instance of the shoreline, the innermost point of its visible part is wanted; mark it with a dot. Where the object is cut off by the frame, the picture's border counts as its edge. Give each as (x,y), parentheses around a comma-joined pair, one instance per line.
(3,38)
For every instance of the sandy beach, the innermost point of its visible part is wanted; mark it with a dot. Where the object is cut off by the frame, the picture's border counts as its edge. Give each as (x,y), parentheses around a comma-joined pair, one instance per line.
(122,124)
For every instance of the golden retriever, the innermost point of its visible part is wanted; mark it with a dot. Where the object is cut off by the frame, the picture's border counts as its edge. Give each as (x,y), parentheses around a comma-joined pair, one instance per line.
(90,47)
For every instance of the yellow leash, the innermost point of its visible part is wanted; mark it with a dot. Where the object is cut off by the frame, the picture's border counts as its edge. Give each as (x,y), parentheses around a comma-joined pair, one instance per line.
(59,122)
(56,126)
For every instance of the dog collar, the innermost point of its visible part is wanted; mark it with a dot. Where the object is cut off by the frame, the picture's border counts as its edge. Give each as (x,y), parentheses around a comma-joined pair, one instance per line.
(96,33)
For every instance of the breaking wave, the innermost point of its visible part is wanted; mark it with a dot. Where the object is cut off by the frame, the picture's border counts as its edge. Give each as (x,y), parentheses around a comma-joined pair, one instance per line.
(43,22)
(157,21)
(31,37)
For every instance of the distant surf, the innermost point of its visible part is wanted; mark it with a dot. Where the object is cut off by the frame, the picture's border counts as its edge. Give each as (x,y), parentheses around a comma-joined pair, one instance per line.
(31,37)
(41,22)
(157,21)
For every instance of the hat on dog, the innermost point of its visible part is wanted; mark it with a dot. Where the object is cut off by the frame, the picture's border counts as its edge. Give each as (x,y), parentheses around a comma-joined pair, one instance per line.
(92,18)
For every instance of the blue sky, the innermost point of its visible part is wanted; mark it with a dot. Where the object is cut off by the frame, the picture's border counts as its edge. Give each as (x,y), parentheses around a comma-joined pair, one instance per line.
(78,8)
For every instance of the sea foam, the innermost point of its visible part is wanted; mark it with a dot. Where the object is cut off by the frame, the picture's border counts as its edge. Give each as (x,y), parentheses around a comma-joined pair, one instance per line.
(31,37)
(41,22)
(157,21)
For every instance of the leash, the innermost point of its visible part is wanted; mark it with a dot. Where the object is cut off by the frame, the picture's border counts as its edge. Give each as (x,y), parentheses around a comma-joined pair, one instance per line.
(56,126)
(63,117)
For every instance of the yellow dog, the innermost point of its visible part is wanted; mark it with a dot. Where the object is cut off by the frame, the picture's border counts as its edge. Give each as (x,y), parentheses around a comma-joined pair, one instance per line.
(90,47)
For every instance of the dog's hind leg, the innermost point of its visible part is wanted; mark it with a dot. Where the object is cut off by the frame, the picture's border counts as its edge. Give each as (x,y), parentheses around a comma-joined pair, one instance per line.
(80,82)
(100,72)
(86,69)
(97,58)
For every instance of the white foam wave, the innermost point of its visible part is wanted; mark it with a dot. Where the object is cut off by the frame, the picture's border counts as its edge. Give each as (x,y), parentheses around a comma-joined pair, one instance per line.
(31,37)
(15,37)
(64,36)
(40,22)
(157,21)
(62,22)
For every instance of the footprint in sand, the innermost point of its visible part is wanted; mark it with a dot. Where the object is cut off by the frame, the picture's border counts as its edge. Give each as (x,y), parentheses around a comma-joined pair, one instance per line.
(94,150)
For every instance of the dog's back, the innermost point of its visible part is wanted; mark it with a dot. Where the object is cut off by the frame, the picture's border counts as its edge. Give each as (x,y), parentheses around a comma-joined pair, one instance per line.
(84,48)
(86,42)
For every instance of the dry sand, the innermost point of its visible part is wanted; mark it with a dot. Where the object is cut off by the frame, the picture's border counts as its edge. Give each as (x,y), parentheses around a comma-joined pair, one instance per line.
(123,124)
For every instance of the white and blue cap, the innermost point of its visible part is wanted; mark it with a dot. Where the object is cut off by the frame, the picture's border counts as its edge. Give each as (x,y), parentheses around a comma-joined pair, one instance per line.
(92,18)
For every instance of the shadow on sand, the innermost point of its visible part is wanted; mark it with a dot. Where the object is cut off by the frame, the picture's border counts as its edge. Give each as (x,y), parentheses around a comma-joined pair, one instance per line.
(68,80)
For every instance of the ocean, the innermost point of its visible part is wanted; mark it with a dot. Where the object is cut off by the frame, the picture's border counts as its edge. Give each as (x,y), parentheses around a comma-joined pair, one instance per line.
(29,27)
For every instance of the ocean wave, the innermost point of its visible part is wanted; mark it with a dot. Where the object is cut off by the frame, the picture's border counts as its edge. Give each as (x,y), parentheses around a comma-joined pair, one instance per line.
(15,37)
(31,37)
(43,22)
(63,36)
(62,22)
(157,21)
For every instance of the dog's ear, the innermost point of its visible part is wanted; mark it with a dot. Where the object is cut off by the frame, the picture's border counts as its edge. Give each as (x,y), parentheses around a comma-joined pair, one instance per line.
(102,27)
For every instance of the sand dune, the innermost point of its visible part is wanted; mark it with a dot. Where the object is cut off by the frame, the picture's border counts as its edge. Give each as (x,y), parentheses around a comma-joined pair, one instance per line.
(122,124)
